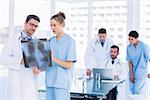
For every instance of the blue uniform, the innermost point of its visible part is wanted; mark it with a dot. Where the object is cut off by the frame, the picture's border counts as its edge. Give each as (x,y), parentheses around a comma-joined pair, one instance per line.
(58,78)
(139,57)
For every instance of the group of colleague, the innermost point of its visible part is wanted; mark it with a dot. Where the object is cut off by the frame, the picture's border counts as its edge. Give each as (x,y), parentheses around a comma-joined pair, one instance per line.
(100,52)
(103,54)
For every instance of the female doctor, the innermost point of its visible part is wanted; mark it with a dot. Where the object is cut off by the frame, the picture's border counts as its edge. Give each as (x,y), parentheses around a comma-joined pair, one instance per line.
(137,57)
(21,82)
(62,47)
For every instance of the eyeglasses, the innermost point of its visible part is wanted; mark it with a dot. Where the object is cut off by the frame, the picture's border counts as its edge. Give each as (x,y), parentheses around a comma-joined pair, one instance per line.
(130,39)
(33,25)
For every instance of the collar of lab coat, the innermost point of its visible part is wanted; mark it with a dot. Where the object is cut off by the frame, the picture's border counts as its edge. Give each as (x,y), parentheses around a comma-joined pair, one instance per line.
(116,61)
(24,34)
(99,40)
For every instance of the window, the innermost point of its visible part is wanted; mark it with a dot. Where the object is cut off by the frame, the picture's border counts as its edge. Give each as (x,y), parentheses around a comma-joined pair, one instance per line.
(144,22)
(4,13)
(40,8)
(112,15)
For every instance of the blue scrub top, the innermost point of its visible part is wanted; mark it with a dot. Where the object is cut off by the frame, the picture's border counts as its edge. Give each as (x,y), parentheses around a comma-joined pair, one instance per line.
(64,49)
(139,57)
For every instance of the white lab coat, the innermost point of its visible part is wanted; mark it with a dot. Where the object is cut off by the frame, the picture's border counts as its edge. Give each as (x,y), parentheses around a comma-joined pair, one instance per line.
(117,67)
(96,55)
(21,80)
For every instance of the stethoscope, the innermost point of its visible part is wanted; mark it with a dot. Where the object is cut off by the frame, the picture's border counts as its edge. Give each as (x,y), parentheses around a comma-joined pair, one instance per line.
(97,42)
(21,38)
(118,62)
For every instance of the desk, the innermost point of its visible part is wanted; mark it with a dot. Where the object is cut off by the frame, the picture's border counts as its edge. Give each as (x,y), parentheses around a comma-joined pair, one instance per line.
(84,89)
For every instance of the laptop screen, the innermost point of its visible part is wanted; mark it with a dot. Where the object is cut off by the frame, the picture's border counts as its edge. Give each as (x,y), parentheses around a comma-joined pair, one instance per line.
(105,74)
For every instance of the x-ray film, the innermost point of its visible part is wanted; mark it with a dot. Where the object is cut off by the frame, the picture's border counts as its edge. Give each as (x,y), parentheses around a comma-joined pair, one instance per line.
(35,53)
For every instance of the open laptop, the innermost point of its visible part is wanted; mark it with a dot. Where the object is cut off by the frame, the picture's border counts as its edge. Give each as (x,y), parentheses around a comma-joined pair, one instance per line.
(105,74)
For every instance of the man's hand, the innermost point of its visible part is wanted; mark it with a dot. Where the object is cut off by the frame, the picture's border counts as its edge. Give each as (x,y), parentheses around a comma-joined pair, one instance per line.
(35,70)
(132,79)
(88,72)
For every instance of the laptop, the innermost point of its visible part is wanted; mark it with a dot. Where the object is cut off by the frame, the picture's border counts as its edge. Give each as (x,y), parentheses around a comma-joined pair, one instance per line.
(105,74)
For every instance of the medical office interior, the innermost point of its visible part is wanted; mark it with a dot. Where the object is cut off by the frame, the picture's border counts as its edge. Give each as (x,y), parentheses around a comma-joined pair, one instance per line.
(83,20)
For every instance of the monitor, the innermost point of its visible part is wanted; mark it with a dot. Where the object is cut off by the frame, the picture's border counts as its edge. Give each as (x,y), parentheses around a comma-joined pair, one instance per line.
(105,74)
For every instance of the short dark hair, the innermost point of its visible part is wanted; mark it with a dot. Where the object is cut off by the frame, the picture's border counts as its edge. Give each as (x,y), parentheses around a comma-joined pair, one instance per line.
(32,16)
(115,46)
(102,31)
(134,34)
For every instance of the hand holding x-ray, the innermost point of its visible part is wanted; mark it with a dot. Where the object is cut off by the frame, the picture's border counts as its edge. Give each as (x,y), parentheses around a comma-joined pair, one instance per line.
(35,70)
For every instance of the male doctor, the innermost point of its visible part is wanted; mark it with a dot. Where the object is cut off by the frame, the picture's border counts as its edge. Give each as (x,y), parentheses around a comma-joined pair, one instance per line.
(21,80)
(97,51)
(114,63)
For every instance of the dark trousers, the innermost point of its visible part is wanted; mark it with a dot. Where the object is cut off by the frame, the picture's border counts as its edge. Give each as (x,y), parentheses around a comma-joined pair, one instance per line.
(112,95)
